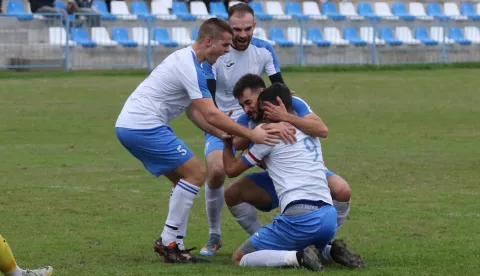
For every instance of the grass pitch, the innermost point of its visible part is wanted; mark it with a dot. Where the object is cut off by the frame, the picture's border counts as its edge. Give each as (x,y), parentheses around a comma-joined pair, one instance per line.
(406,141)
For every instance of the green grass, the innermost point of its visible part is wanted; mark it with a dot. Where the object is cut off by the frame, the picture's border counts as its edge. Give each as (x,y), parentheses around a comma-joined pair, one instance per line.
(406,141)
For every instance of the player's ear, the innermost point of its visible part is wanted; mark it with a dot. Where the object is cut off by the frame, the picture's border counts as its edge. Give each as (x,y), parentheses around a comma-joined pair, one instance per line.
(208,41)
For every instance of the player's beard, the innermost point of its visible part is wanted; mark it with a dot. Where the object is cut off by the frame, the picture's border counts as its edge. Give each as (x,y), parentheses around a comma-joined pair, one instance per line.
(242,44)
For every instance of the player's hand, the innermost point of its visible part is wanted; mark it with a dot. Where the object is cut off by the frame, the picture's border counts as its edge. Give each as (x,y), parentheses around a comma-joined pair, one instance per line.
(293,93)
(287,131)
(273,112)
(263,136)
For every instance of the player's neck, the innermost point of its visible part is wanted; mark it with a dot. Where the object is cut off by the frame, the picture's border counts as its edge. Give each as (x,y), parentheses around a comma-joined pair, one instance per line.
(199,52)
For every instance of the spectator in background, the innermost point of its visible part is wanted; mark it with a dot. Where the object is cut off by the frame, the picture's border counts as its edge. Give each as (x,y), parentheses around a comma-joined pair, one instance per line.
(47,6)
(1,6)
(85,6)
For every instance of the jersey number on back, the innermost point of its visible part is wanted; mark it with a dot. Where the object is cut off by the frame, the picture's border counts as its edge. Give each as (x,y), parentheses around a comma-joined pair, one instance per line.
(311,147)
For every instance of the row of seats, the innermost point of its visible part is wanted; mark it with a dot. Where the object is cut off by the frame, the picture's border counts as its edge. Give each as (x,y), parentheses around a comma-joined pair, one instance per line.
(275,10)
(313,36)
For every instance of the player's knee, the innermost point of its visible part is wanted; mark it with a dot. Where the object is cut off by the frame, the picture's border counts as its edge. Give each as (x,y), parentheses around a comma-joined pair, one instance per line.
(339,188)
(215,174)
(198,175)
(231,195)
(237,257)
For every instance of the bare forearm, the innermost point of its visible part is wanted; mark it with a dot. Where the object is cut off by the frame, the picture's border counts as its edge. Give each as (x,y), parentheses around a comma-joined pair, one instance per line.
(310,126)
(224,123)
(240,143)
(229,163)
(197,118)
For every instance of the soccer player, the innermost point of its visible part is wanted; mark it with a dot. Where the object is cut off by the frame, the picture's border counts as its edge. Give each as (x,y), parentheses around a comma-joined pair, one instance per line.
(247,55)
(256,190)
(9,267)
(142,128)
(299,177)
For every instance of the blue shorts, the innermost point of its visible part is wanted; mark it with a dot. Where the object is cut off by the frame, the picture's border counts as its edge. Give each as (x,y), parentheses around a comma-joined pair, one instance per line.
(158,148)
(263,180)
(297,232)
(213,143)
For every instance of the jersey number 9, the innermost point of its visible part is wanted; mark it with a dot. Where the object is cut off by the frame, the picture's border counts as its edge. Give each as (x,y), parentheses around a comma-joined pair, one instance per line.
(311,147)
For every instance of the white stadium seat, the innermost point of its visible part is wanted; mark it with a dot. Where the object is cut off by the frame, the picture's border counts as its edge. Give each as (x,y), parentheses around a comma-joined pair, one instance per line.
(366,33)
(199,9)
(101,37)
(120,9)
(436,33)
(182,36)
(262,34)
(311,9)
(417,9)
(58,36)
(274,8)
(332,34)
(404,34)
(293,34)
(348,9)
(383,9)
(472,33)
(140,35)
(451,9)
(160,10)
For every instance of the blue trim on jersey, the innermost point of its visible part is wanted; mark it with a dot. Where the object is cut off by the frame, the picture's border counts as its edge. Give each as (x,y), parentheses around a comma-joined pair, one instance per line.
(300,107)
(243,120)
(245,160)
(208,69)
(202,82)
(264,44)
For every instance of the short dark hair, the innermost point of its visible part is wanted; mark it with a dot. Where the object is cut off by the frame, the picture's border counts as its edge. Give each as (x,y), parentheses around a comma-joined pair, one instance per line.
(241,8)
(213,28)
(251,81)
(277,90)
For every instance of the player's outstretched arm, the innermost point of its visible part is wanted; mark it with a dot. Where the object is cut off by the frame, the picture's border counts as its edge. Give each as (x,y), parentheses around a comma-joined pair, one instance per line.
(233,166)
(221,121)
(197,118)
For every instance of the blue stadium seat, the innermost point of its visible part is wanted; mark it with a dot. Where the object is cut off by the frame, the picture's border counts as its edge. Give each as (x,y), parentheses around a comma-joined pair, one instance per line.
(314,35)
(218,9)
(61,5)
(293,9)
(194,33)
(457,35)
(365,10)
(139,8)
(468,10)
(80,36)
(101,8)
(161,36)
(180,10)
(350,34)
(386,34)
(16,9)
(277,35)
(434,9)
(329,9)
(259,12)
(422,35)
(399,9)
(120,35)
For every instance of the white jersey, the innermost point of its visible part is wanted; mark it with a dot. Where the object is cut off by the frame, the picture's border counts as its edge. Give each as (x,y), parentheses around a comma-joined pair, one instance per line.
(297,170)
(166,92)
(259,57)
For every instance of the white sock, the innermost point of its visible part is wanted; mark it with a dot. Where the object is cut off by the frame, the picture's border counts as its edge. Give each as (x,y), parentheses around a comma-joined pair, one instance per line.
(246,216)
(214,201)
(342,211)
(180,204)
(271,258)
(182,230)
(325,256)
(17,272)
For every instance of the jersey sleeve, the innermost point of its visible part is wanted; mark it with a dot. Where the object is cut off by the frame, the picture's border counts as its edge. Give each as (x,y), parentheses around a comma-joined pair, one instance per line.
(209,70)
(300,107)
(192,77)
(243,120)
(255,155)
(271,60)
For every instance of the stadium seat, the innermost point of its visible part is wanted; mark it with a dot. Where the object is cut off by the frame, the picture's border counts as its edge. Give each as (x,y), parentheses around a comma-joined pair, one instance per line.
(365,10)
(199,10)
(404,34)
(61,5)
(294,34)
(58,37)
(181,11)
(451,10)
(456,34)
(259,12)
(399,9)
(348,9)
(311,9)
(276,34)
(231,3)
(418,10)
(434,10)
(161,36)
(421,34)
(101,8)
(120,35)
(275,9)
(161,11)
(218,9)
(350,34)
(120,9)
(329,9)
(332,34)
(16,9)
(438,35)
(166,3)
(293,9)
(473,34)
(469,11)
(194,33)
(367,34)
(181,36)
(80,37)
(260,33)
(140,9)
(383,10)
(386,34)
(101,37)
(315,36)
(141,36)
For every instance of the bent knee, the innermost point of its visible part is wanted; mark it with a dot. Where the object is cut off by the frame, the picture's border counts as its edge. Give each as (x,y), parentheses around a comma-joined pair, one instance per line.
(232,195)
(339,188)
(215,174)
